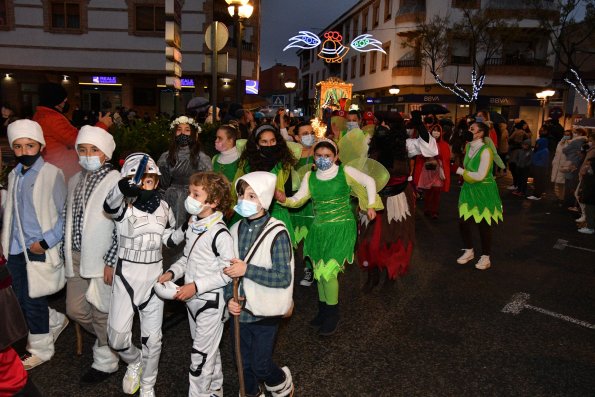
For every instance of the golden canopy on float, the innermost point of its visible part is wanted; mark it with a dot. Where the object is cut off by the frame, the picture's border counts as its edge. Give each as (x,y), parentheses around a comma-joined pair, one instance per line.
(333,93)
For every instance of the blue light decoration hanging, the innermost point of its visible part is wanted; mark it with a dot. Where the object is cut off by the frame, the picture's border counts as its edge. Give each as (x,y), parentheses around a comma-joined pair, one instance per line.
(333,50)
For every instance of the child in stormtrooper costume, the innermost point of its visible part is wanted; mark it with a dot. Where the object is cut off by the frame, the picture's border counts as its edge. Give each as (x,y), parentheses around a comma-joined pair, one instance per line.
(264,260)
(90,251)
(144,222)
(208,250)
(31,233)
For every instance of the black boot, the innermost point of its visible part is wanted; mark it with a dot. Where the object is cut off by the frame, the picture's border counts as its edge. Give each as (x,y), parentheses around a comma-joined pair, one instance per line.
(317,321)
(372,281)
(331,320)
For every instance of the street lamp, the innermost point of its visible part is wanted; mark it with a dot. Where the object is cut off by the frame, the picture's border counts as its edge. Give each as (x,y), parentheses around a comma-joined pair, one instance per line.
(543,97)
(239,10)
(290,85)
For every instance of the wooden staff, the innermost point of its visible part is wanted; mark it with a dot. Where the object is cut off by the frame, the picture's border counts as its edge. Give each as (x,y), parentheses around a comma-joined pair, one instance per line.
(236,327)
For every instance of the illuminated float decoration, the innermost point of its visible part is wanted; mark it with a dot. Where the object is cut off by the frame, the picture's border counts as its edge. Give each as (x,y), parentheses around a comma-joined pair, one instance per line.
(333,51)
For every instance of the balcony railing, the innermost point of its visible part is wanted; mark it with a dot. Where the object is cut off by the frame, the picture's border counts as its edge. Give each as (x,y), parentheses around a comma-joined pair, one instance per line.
(516,61)
(460,60)
(245,46)
(549,5)
(409,63)
(411,7)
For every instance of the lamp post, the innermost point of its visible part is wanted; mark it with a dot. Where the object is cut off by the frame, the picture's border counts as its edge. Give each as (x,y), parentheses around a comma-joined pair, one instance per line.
(240,10)
(290,85)
(394,91)
(543,97)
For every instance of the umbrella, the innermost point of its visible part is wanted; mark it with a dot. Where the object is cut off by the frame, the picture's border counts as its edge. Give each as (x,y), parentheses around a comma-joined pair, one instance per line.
(198,104)
(433,108)
(497,118)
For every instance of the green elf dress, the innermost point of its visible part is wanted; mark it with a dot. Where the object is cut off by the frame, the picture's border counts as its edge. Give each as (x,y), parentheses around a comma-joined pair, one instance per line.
(480,199)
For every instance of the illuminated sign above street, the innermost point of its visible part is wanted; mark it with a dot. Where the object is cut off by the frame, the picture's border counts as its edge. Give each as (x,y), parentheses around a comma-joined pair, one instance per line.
(104,79)
(333,51)
(187,82)
(252,87)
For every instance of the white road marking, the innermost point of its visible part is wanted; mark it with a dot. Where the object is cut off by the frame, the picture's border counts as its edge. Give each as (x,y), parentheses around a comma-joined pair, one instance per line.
(561,244)
(519,302)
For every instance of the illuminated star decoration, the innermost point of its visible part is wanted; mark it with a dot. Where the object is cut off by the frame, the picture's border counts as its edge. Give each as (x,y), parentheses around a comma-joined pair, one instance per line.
(333,51)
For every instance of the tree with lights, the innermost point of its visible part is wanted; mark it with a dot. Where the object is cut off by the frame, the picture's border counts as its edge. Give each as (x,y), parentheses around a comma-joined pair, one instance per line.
(485,34)
(573,42)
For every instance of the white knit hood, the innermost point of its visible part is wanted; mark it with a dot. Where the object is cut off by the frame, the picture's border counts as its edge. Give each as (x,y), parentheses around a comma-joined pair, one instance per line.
(263,183)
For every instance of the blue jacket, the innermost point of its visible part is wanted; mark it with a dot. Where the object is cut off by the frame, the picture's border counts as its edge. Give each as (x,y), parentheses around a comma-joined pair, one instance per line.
(541,154)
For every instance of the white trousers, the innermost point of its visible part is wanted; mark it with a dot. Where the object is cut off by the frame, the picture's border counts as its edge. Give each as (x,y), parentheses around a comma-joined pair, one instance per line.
(206,327)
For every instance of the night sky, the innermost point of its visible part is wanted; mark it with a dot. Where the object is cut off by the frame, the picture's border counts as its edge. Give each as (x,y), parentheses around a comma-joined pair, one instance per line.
(282,19)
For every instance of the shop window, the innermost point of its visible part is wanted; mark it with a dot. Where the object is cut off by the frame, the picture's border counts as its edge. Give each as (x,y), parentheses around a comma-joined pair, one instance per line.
(386,57)
(388,5)
(146,17)
(65,16)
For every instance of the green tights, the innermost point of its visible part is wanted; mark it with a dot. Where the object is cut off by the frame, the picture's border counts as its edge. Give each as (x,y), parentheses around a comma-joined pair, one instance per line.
(328,291)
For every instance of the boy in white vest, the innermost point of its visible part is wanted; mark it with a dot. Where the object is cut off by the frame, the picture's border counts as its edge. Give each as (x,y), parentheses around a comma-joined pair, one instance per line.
(143,222)
(31,233)
(264,260)
(208,250)
(90,250)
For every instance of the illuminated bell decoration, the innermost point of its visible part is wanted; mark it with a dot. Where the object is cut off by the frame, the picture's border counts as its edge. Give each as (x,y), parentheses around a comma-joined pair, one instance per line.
(333,51)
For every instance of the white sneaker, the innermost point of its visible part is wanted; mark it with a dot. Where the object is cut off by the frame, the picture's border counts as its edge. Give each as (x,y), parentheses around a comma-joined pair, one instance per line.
(512,187)
(468,255)
(586,230)
(308,278)
(31,361)
(581,219)
(483,263)
(147,392)
(131,380)
(533,198)
(57,330)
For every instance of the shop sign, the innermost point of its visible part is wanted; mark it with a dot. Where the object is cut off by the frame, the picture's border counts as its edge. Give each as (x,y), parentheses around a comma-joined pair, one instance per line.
(252,87)
(187,82)
(104,80)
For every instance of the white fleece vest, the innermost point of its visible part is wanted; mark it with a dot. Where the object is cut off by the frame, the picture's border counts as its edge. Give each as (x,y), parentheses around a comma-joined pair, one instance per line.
(47,216)
(97,227)
(261,300)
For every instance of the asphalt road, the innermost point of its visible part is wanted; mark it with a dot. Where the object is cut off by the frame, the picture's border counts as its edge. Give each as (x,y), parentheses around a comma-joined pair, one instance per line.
(438,331)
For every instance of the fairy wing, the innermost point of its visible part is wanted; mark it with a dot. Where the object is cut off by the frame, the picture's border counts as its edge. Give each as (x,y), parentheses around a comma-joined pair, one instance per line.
(372,168)
(241,145)
(353,145)
(295,149)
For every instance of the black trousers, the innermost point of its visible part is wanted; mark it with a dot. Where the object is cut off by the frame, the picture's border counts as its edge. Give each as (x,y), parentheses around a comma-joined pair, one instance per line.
(485,234)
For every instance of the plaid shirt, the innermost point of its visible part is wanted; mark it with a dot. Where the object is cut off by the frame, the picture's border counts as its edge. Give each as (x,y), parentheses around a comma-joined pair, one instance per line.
(82,192)
(278,276)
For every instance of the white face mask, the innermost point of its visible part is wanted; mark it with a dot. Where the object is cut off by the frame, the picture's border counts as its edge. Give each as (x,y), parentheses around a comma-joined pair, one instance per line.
(193,206)
(90,163)
(410,131)
(308,140)
(352,125)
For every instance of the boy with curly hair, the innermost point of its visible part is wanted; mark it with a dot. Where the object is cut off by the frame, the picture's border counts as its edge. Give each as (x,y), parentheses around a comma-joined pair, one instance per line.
(208,250)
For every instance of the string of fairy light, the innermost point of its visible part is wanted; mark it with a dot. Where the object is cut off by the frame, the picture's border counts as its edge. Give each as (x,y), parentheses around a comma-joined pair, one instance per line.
(583,90)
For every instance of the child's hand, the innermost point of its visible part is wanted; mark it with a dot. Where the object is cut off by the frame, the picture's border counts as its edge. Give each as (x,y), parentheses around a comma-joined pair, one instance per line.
(237,268)
(280,196)
(371,214)
(36,248)
(460,171)
(186,292)
(167,276)
(108,275)
(235,308)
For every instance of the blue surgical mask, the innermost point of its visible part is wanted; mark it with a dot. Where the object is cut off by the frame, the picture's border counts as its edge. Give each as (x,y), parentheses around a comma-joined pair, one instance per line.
(308,140)
(90,163)
(323,163)
(193,206)
(566,137)
(246,208)
(352,125)
(479,119)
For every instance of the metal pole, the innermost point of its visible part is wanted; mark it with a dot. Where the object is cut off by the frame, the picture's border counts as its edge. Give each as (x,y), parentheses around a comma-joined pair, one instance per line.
(238,27)
(214,67)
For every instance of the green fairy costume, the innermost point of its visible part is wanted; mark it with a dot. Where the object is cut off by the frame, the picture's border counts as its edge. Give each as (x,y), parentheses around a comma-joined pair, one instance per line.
(232,172)
(480,199)
(302,218)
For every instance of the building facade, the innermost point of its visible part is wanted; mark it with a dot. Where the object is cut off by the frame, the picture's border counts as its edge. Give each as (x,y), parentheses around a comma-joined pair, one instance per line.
(113,51)
(523,68)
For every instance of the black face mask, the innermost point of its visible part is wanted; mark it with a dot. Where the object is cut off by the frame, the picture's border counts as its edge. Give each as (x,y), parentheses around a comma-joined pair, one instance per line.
(269,151)
(468,135)
(65,108)
(28,159)
(184,140)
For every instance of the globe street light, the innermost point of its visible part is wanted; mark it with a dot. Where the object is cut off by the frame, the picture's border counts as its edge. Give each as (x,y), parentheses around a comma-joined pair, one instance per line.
(543,97)
(394,90)
(239,10)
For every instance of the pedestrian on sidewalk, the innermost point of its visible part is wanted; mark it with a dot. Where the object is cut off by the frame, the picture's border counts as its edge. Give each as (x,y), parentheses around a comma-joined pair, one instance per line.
(90,247)
(589,153)
(522,160)
(539,167)
(587,197)
(519,135)
(575,157)
(479,201)
(31,232)
(560,166)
